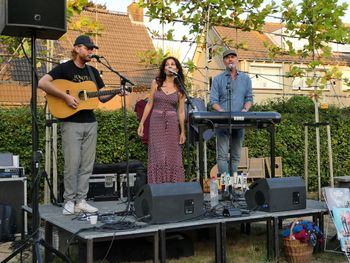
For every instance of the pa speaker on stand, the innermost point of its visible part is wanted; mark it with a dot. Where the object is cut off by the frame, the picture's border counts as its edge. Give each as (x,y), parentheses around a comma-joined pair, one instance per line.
(45,18)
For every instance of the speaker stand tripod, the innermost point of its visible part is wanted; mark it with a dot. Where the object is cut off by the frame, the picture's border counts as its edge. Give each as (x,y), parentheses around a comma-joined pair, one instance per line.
(34,240)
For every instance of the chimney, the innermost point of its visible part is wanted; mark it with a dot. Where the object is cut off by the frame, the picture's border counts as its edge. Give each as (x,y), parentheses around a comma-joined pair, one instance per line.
(135,12)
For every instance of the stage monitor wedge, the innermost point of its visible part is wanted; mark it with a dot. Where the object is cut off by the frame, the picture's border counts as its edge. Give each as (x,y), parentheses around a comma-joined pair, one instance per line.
(277,194)
(169,202)
(44,19)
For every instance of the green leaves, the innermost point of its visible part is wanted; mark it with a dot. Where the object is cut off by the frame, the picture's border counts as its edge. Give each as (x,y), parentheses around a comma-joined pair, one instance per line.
(318,21)
(217,12)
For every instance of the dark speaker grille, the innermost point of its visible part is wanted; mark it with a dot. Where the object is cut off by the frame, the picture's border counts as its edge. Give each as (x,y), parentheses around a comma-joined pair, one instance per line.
(12,192)
(46,13)
(44,18)
(259,198)
(145,207)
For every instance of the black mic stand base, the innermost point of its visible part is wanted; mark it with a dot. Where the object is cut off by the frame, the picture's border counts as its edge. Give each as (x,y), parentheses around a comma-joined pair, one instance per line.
(31,242)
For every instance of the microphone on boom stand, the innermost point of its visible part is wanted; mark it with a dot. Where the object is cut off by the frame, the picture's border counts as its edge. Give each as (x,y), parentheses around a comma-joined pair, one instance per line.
(173,72)
(123,81)
(231,66)
(97,57)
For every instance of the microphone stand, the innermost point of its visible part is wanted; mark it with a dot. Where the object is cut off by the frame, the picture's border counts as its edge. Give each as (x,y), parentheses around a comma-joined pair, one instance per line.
(123,81)
(229,89)
(123,78)
(189,103)
(182,88)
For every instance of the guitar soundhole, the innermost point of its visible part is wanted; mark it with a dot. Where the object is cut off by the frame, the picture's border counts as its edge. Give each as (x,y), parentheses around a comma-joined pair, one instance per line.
(81,95)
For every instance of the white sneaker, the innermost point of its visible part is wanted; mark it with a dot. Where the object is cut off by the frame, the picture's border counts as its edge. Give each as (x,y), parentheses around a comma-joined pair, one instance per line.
(83,206)
(68,208)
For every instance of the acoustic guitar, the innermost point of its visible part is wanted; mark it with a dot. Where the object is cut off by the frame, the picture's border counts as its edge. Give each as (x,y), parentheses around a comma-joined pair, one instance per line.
(86,94)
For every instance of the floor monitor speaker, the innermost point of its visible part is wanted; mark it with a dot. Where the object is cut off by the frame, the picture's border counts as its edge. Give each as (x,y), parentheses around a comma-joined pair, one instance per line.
(13,191)
(45,19)
(169,202)
(277,194)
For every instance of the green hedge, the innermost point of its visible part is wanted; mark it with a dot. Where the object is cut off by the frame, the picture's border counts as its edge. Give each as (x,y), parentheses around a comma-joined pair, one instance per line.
(16,129)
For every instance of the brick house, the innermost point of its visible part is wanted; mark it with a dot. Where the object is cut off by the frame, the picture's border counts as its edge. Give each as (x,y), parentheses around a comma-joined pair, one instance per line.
(268,76)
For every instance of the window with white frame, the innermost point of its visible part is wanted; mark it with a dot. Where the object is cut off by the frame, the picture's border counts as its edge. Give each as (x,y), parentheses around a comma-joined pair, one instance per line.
(346,75)
(266,76)
(300,83)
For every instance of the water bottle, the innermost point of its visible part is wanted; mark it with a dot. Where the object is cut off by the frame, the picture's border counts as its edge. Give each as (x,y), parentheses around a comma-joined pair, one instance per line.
(214,194)
(234,179)
(222,180)
(227,182)
(239,180)
(244,181)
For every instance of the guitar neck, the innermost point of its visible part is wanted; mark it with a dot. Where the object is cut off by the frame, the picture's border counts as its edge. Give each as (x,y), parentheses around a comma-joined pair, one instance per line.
(93,94)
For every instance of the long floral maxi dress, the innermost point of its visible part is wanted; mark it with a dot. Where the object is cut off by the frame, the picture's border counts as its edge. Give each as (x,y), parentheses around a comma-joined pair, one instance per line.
(164,151)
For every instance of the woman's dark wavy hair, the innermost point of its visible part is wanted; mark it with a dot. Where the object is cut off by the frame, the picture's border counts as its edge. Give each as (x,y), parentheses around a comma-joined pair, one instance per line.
(162,76)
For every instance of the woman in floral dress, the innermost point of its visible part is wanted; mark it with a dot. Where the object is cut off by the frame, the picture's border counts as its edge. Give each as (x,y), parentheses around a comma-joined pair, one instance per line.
(166,104)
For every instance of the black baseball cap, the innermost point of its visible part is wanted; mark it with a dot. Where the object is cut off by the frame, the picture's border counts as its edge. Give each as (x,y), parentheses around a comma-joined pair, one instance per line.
(86,41)
(229,52)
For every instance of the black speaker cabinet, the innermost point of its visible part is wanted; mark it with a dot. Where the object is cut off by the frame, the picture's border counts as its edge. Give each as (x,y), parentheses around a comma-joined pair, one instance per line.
(45,19)
(13,191)
(169,202)
(277,194)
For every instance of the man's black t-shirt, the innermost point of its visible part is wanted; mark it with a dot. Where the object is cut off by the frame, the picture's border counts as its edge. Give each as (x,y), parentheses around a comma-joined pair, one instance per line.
(71,72)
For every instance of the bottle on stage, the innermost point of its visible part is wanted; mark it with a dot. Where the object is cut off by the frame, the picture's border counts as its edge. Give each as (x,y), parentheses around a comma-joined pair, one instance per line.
(245,181)
(234,180)
(223,178)
(227,181)
(239,180)
(214,193)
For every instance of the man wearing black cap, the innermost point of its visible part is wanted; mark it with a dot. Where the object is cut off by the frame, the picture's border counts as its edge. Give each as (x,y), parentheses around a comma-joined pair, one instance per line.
(79,131)
(239,85)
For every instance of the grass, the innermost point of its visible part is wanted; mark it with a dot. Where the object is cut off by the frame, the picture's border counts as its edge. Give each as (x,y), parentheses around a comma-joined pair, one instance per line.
(242,248)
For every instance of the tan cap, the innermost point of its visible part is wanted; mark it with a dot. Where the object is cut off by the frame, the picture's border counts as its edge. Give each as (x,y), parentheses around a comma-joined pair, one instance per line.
(229,52)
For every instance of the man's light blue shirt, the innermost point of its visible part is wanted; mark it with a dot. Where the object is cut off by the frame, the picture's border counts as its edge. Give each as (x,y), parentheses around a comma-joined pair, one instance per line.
(241,89)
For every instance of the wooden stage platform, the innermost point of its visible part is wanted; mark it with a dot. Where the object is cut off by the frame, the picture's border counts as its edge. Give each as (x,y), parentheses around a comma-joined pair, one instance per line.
(88,235)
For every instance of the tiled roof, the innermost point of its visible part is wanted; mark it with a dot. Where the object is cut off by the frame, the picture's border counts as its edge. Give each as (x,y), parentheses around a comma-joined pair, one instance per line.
(256,49)
(271,27)
(119,42)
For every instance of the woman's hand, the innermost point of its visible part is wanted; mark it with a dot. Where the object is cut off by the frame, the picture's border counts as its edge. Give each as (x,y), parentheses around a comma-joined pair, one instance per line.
(182,138)
(140,130)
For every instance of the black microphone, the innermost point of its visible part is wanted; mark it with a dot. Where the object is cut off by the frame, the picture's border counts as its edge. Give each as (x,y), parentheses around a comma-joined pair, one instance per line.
(95,56)
(173,72)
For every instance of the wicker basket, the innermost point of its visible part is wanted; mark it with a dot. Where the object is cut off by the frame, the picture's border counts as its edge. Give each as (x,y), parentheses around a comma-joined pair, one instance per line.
(296,251)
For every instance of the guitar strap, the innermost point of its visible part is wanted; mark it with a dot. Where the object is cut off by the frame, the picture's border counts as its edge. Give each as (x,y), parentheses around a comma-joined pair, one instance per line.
(92,76)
